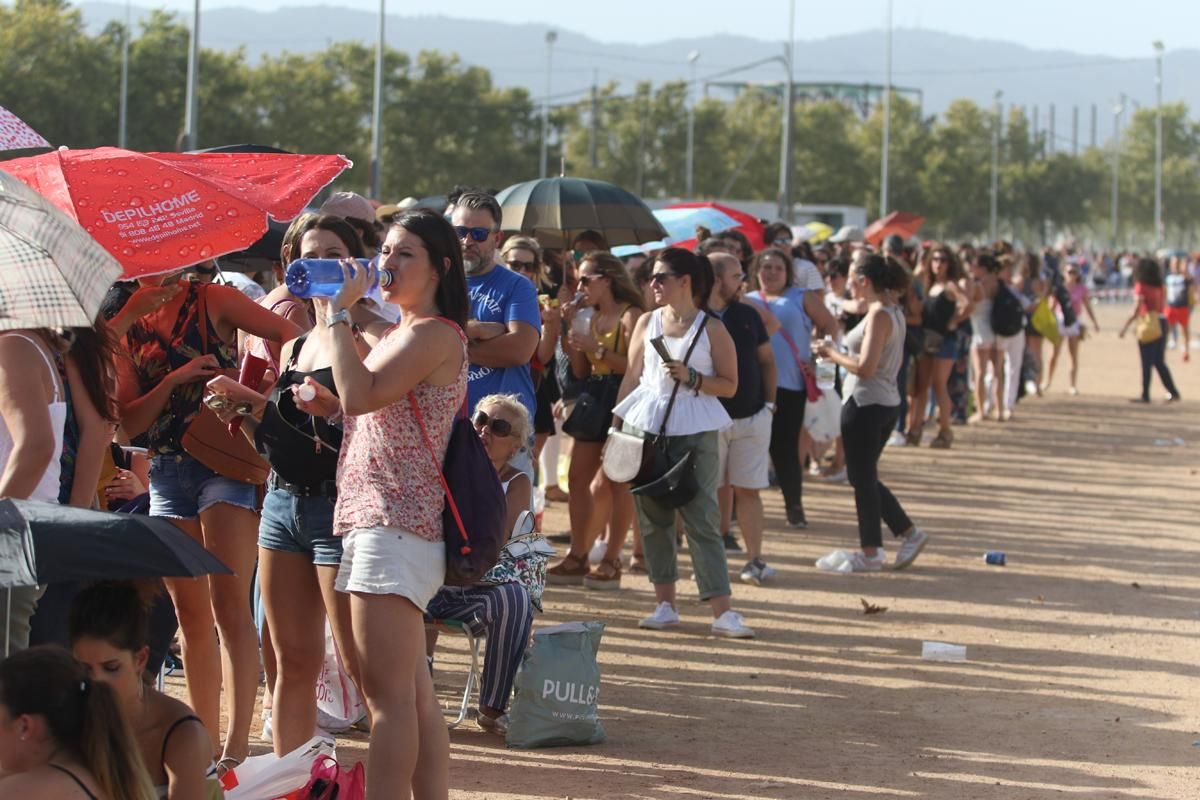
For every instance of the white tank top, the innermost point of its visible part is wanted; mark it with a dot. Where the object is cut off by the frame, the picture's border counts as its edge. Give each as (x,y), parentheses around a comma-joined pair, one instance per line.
(647,403)
(47,488)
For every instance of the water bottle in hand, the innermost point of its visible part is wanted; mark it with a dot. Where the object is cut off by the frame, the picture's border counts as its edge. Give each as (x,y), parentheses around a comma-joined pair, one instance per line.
(826,370)
(322,277)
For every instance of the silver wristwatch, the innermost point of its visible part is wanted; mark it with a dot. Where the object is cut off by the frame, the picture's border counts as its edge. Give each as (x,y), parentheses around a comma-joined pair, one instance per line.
(338,316)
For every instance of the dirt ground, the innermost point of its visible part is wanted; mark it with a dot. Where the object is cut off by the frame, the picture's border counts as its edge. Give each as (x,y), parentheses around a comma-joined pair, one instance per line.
(1081,677)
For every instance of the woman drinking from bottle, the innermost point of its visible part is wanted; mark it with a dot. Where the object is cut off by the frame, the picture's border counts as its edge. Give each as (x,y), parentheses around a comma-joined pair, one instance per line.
(390,495)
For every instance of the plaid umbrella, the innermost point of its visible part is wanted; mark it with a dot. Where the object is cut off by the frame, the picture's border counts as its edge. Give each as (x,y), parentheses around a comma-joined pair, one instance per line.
(15,133)
(52,274)
(556,210)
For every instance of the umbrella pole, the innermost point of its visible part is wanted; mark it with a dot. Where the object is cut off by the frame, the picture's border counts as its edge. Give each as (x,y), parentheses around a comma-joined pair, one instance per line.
(8,622)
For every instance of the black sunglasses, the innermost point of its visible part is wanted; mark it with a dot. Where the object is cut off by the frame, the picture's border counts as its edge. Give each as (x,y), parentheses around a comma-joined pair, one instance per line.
(661,277)
(478,234)
(584,280)
(518,265)
(499,427)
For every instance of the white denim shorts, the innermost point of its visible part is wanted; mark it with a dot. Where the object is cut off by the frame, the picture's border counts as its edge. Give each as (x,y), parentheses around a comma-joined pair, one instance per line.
(392,561)
(743,452)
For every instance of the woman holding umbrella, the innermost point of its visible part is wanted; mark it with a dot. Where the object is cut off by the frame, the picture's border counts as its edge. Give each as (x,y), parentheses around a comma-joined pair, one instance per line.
(173,351)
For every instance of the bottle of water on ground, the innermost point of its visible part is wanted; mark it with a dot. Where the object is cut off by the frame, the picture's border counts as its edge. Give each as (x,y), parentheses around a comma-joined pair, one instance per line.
(323,277)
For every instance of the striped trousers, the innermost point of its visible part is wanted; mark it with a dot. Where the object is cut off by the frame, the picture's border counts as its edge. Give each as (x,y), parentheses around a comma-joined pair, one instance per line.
(506,613)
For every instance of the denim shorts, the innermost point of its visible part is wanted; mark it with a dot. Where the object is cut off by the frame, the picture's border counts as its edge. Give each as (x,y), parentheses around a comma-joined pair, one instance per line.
(294,524)
(181,488)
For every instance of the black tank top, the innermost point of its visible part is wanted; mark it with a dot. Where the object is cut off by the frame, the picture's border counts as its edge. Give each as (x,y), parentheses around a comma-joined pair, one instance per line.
(936,313)
(289,438)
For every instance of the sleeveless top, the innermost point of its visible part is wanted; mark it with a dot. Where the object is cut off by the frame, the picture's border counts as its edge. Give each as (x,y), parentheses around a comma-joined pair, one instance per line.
(286,435)
(48,486)
(212,783)
(154,357)
(612,341)
(647,403)
(881,388)
(386,477)
(82,786)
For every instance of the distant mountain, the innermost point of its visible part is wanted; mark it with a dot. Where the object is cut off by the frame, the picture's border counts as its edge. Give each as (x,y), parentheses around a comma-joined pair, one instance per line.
(943,67)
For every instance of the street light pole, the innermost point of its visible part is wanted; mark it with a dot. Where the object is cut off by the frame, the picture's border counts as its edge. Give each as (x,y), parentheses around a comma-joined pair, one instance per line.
(993,227)
(191,103)
(377,108)
(543,164)
(1158,146)
(887,117)
(688,183)
(123,111)
(785,155)
(1118,110)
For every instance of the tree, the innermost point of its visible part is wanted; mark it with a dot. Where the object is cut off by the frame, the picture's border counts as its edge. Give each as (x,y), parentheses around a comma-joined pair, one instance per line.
(909,142)
(956,172)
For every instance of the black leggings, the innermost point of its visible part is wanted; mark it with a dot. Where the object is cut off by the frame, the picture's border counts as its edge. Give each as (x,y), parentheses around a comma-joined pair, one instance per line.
(785,447)
(865,431)
(1154,357)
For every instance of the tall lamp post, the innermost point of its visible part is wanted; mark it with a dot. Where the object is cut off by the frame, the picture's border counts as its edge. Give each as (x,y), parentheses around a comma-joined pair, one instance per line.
(1118,110)
(377,108)
(688,183)
(887,117)
(993,227)
(191,102)
(1158,145)
(785,148)
(123,110)
(543,162)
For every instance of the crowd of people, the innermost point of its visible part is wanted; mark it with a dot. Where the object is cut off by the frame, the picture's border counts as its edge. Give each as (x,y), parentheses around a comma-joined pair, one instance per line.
(713,354)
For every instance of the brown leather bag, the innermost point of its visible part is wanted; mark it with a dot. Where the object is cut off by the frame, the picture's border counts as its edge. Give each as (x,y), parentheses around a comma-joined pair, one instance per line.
(208,440)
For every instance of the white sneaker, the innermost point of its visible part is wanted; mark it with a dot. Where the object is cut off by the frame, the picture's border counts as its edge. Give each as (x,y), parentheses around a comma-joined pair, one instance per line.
(910,548)
(596,555)
(268,731)
(665,616)
(732,626)
(897,439)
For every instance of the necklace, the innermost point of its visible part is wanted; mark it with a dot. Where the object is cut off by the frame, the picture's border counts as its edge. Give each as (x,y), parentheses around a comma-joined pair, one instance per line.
(678,320)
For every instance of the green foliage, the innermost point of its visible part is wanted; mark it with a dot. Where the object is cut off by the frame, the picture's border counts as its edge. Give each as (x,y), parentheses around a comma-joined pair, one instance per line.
(445,122)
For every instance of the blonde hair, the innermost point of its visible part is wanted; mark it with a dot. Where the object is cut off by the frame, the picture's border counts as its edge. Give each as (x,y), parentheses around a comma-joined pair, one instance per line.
(512,404)
(533,246)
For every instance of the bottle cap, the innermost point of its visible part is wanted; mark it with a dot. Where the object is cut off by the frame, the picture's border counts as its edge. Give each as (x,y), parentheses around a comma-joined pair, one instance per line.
(307,393)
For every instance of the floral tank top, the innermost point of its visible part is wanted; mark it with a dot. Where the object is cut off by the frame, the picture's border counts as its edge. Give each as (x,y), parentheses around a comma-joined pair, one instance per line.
(154,357)
(386,476)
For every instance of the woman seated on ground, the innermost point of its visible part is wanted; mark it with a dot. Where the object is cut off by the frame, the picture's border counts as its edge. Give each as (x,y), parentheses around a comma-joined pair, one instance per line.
(110,626)
(61,733)
(506,597)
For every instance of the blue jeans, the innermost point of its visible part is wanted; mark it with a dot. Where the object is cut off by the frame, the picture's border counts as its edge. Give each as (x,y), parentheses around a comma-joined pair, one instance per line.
(181,488)
(294,524)
(1154,357)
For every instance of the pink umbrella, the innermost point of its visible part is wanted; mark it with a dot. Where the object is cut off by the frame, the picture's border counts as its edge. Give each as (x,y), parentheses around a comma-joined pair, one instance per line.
(15,134)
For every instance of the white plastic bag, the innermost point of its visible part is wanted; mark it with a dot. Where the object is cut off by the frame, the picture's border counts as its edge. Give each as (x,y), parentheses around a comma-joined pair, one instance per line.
(823,417)
(269,777)
(839,561)
(338,703)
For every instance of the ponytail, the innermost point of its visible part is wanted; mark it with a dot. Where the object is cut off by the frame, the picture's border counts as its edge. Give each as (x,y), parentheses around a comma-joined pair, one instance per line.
(884,274)
(81,715)
(108,747)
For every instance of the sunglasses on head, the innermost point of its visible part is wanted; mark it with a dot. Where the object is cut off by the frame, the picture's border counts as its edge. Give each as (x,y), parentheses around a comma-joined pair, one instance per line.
(478,234)
(498,427)
(518,265)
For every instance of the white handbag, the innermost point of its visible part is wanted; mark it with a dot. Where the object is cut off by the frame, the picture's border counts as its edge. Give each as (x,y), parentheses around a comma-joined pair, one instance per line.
(621,457)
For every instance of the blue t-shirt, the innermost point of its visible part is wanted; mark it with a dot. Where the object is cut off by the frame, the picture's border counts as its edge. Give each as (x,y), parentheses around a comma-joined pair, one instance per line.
(789,309)
(502,296)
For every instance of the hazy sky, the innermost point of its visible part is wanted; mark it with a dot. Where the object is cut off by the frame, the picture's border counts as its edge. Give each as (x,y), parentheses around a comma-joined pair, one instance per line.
(1108,27)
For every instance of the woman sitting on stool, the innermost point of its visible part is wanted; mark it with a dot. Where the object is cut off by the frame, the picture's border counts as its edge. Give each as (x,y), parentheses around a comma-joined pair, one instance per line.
(504,600)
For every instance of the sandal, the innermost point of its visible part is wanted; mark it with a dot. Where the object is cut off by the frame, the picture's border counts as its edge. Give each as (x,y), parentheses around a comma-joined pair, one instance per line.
(228,763)
(605,576)
(637,565)
(568,572)
(943,440)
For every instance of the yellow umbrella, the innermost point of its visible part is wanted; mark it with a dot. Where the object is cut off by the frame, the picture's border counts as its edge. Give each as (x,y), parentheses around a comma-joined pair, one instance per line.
(815,232)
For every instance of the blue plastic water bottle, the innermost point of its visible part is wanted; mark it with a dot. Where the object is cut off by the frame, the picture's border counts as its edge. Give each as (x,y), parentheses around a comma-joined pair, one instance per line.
(322,277)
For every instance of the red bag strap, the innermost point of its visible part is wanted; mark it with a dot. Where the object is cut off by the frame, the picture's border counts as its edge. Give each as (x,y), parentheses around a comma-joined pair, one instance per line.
(416,409)
(810,383)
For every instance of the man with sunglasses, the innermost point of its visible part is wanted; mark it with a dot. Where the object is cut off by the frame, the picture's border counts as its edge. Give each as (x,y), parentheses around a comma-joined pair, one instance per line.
(506,322)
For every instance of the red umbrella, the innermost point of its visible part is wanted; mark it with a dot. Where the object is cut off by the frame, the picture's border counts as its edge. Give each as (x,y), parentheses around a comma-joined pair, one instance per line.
(15,133)
(157,212)
(901,223)
(747,224)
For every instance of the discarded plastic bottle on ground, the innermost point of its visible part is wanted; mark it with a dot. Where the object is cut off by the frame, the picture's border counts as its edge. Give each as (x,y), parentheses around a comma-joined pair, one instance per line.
(323,277)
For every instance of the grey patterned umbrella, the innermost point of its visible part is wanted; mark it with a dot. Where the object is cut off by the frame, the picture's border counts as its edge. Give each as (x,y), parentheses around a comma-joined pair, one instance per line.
(556,210)
(52,273)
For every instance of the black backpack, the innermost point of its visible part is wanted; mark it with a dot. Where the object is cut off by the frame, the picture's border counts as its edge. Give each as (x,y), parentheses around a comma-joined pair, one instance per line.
(1008,315)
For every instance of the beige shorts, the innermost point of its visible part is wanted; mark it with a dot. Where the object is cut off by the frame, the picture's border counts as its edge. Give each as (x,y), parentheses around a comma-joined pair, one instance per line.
(392,561)
(743,452)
